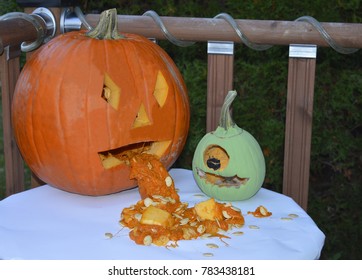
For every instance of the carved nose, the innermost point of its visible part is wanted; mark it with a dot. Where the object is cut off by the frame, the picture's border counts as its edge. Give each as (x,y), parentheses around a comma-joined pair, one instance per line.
(213,163)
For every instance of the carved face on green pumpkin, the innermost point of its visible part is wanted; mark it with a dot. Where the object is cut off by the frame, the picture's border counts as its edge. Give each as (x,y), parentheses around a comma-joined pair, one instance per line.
(228,163)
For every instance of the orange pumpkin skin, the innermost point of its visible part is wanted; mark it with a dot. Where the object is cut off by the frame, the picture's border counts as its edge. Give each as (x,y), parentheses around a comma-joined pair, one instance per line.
(63,122)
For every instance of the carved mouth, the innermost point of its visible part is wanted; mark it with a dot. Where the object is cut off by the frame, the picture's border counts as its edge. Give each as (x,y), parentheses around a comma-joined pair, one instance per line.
(122,155)
(221,181)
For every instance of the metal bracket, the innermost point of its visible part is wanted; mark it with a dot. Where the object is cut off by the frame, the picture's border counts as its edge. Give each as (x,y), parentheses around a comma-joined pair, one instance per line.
(47,16)
(69,21)
(302,51)
(220,47)
(42,20)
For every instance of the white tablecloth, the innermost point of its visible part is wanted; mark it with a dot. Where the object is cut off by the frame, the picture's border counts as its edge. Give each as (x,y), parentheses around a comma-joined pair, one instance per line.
(47,223)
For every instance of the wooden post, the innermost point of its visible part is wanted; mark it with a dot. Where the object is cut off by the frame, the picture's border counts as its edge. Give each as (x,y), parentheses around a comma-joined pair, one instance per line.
(219,79)
(14,165)
(298,131)
(34,180)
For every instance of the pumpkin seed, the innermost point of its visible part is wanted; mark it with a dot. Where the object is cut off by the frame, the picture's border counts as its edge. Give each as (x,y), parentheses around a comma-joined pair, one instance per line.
(208,254)
(184,221)
(212,245)
(149,165)
(286,218)
(199,195)
(235,208)
(177,216)
(138,216)
(179,208)
(226,214)
(205,235)
(147,240)
(157,196)
(147,201)
(168,181)
(218,223)
(193,224)
(253,227)
(238,233)
(201,229)
(293,215)
(263,211)
(108,235)
(166,199)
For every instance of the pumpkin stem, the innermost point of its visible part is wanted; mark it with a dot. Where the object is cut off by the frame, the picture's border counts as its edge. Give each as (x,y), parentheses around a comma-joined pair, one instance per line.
(226,120)
(106,27)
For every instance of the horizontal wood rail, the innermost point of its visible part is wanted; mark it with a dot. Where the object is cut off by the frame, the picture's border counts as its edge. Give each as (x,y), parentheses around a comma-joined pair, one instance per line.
(260,32)
(15,31)
(269,32)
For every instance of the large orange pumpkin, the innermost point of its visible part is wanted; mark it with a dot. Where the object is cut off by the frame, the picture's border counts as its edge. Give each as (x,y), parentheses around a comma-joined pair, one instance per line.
(84,104)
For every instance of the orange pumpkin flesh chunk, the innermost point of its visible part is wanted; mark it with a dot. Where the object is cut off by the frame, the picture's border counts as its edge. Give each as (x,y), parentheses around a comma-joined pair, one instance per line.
(156,216)
(208,210)
(162,219)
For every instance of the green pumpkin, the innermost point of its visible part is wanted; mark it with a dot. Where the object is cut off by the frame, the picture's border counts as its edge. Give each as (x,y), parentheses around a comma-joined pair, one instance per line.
(228,163)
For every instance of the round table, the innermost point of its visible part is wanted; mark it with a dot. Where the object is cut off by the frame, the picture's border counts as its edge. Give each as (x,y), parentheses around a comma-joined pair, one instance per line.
(48,223)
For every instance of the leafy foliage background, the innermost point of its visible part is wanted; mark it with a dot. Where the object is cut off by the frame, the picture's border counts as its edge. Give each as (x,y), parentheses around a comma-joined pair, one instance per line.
(260,78)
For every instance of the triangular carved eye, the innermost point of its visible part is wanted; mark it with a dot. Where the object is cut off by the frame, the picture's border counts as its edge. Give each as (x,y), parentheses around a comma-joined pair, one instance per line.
(161,89)
(142,118)
(111,92)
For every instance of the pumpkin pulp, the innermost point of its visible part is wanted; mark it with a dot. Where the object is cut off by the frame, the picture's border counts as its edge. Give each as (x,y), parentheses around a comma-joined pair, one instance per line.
(162,219)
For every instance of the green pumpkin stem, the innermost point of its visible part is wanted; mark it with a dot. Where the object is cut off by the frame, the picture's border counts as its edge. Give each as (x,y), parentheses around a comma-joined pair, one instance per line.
(106,28)
(226,120)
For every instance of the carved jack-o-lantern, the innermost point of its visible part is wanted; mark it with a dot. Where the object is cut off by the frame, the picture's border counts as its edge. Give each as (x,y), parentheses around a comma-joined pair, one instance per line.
(84,104)
(228,163)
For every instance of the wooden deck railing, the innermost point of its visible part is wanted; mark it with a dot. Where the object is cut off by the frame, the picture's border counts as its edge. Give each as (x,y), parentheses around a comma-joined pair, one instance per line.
(302,37)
